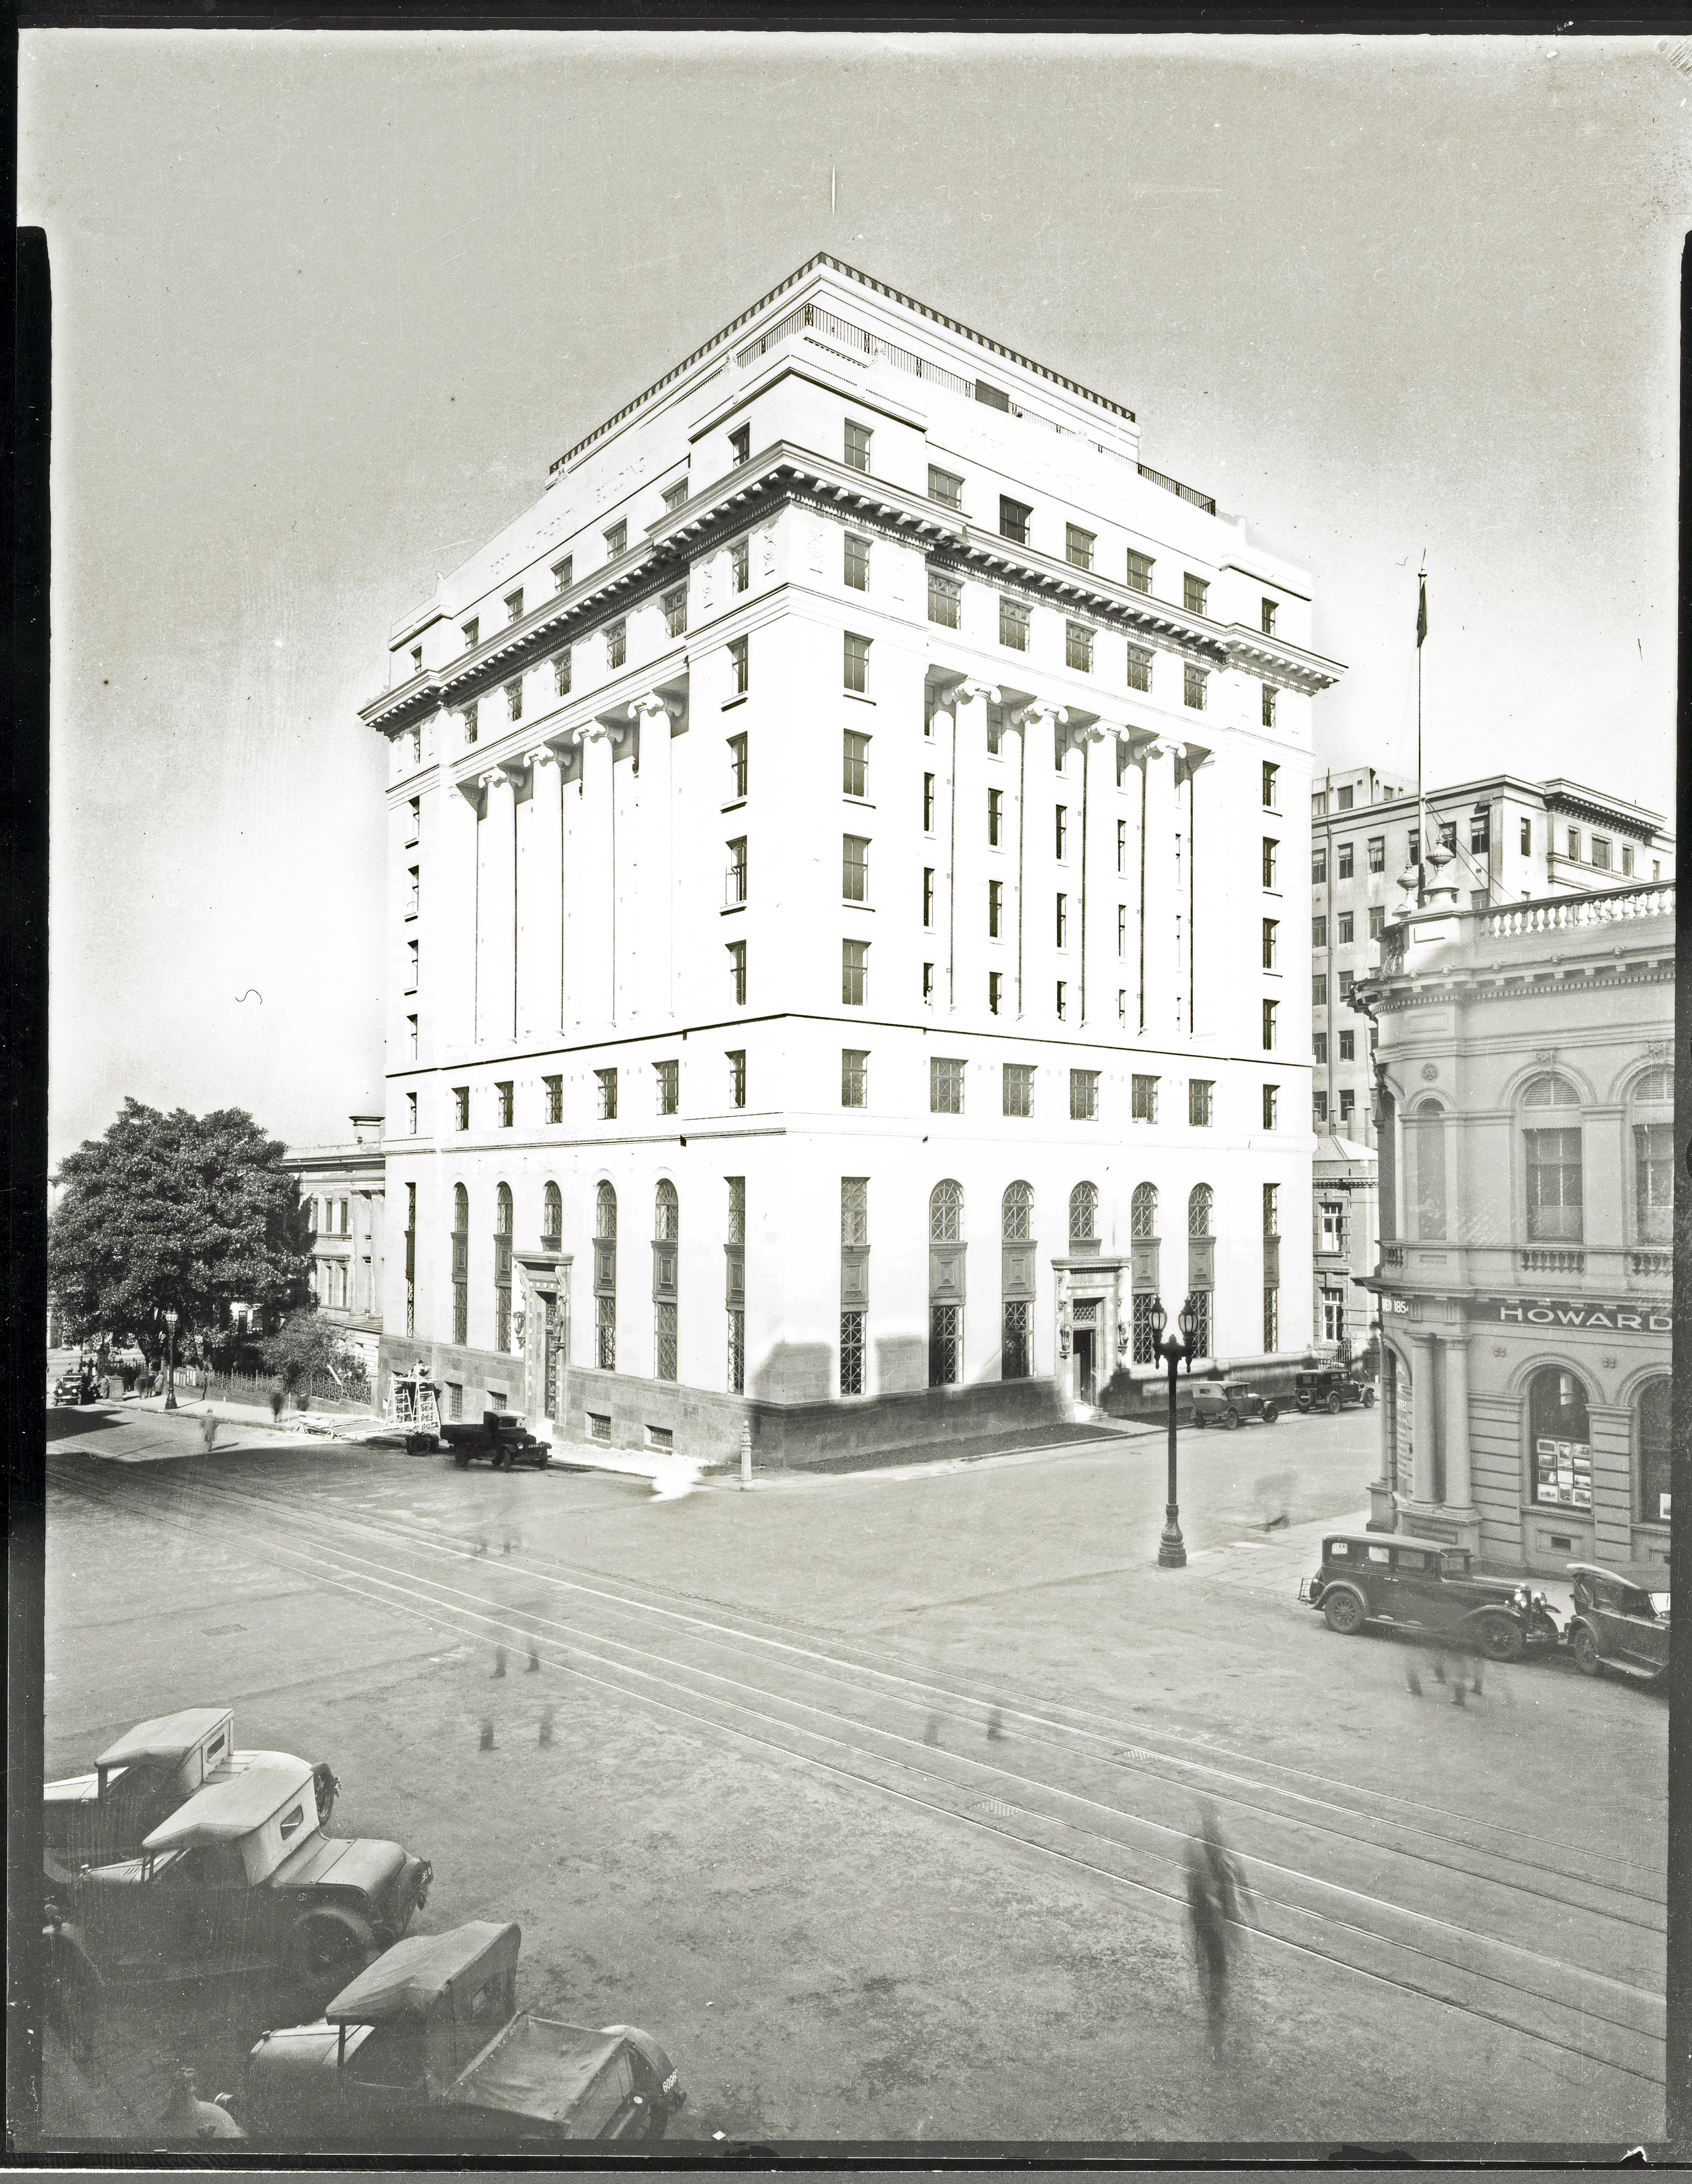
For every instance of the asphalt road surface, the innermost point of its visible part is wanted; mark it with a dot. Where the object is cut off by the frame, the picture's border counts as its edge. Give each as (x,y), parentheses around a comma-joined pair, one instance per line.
(870,1794)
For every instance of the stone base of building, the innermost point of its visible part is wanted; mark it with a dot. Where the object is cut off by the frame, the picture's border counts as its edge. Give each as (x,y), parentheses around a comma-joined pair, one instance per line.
(1439,1525)
(624,1412)
(483,1374)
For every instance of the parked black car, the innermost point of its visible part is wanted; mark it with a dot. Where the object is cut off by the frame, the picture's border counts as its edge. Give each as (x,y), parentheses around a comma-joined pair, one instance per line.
(1331,1388)
(501,1440)
(1418,1584)
(1620,1620)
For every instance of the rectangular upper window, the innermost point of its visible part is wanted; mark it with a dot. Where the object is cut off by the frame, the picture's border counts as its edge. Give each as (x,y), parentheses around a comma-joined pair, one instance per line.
(1199,1090)
(555,1098)
(1145,1100)
(1346,921)
(740,664)
(1318,864)
(1060,830)
(1267,714)
(1078,646)
(1140,568)
(1270,1014)
(854,1077)
(737,971)
(856,563)
(675,496)
(669,1082)
(605,1082)
(1319,989)
(1600,853)
(564,573)
(1347,798)
(514,605)
(737,870)
(505,1093)
(1346,854)
(1013,516)
(945,1085)
(1319,931)
(616,538)
(739,771)
(945,488)
(1012,624)
(857,439)
(1084,1095)
(1139,667)
(1078,545)
(514,699)
(1574,842)
(1377,853)
(1019,1087)
(1377,922)
(741,445)
(561,672)
(736,1060)
(995,815)
(1271,926)
(927,895)
(615,643)
(1195,593)
(1193,687)
(472,633)
(1269,617)
(1270,849)
(854,868)
(856,662)
(855,764)
(675,611)
(740,564)
(461,1106)
(943,597)
(854,972)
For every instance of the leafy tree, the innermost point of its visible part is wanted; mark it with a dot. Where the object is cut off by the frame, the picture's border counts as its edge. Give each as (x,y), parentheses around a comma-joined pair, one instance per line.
(194,1212)
(306,1345)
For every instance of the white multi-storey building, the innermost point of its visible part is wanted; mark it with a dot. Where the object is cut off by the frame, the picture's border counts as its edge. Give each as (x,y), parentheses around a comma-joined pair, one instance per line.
(843,837)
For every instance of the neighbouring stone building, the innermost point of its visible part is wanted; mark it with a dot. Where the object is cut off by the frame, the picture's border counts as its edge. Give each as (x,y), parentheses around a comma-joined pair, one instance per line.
(343,1190)
(838,955)
(1525,1145)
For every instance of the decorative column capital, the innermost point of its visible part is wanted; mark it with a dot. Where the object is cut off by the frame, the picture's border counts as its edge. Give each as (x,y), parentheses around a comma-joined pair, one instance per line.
(964,692)
(593,732)
(544,754)
(654,703)
(1036,711)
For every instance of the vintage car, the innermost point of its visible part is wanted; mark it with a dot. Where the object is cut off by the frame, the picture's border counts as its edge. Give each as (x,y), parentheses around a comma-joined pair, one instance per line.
(1620,1620)
(1331,1388)
(1225,1403)
(241,1877)
(93,1819)
(1418,1584)
(76,1384)
(428,2047)
(501,1439)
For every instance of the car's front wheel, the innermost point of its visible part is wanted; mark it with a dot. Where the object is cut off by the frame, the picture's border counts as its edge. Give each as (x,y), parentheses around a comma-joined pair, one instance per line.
(1584,1647)
(1333,1401)
(1498,1637)
(1270,1412)
(1368,1399)
(1230,1417)
(1343,1611)
(323,1948)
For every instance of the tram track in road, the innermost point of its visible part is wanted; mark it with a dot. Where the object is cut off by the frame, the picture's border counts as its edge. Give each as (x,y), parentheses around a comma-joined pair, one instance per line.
(800,1704)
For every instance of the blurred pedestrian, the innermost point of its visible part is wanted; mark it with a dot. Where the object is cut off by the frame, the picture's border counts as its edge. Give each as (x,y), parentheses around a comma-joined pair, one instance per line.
(1215,1892)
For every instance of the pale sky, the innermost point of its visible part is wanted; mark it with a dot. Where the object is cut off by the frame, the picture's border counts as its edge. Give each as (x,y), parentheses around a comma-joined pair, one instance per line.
(327,305)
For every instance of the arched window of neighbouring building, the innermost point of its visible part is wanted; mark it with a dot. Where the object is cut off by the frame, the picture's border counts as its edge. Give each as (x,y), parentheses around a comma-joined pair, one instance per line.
(1201,1263)
(605,1278)
(1650,1105)
(1428,1169)
(1084,1216)
(551,1219)
(946,1284)
(1559,1440)
(460,1263)
(666,1236)
(1016,1231)
(1651,1436)
(502,1269)
(1142,1230)
(1551,1150)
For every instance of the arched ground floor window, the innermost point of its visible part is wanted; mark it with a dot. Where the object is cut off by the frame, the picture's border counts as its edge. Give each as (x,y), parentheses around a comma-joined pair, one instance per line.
(1651,1439)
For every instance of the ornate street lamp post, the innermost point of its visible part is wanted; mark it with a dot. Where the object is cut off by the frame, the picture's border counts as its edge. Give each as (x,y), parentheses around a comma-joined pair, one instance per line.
(1171,1548)
(170,1361)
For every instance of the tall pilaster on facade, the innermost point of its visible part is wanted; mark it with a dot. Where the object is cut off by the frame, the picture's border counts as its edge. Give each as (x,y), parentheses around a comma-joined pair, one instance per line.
(1190,759)
(594,969)
(496,906)
(1458,1497)
(1423,1429)
(962,710)
(450,884)
(1038,722)
(1097,997)
(541,897)
(655,857)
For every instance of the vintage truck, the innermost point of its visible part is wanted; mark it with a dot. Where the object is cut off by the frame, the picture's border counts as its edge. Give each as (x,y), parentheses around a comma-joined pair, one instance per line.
(427,2049)
(152,1769)
(242,1877)
(501,1440)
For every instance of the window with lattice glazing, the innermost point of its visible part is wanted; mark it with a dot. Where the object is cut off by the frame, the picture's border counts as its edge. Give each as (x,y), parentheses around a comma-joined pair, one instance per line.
(460,1263)
(666,1240)
(502,1269)
(605,1278)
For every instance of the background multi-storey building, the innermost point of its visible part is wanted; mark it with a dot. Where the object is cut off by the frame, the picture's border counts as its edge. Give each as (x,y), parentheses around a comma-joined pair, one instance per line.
(1526,1195)
(343,1190)
(1507,841)
(841,839)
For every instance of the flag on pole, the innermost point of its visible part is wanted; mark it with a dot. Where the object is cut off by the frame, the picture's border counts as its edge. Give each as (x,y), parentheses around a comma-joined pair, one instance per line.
(1420,611)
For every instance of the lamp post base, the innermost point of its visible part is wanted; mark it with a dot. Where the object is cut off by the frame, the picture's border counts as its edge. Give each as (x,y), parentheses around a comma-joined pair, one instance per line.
(1171,1548)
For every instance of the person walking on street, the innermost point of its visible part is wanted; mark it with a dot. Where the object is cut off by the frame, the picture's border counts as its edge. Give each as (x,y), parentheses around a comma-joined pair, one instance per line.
(1216,1891)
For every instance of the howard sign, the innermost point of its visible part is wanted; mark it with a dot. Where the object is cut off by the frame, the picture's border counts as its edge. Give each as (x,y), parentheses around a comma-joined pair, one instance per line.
(1625,1318)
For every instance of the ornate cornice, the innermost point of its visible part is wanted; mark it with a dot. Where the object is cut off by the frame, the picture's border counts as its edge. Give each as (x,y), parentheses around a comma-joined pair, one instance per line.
(786,475)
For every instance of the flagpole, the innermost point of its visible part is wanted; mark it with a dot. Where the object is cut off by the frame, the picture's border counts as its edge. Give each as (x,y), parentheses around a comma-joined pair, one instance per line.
(1420,808)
